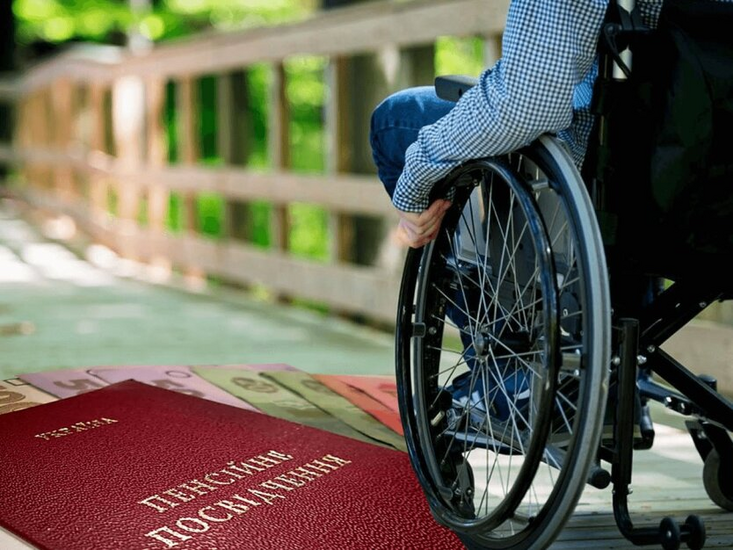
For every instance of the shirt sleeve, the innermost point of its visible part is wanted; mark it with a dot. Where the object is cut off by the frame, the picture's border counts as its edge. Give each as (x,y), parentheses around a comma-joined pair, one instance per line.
(547,48)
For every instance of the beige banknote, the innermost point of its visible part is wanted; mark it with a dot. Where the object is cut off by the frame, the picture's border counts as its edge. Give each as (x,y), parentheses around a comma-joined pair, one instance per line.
(331,402)
(178,378)
(15,395)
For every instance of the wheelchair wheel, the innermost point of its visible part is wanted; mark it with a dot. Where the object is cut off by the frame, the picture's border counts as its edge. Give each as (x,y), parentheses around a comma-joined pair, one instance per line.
(503,345)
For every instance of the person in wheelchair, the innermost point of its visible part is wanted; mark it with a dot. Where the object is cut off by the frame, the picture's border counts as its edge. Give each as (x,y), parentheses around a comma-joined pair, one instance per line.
(542,84)
(505,349)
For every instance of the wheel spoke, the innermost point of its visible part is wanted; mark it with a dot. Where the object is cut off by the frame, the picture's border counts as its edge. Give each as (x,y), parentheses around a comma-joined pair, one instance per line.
(501,376)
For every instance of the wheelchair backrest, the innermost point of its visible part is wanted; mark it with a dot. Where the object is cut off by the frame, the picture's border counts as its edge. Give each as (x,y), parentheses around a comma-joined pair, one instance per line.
(660,161)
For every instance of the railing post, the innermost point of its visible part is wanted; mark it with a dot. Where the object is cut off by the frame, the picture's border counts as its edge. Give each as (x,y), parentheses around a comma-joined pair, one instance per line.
(46,124)
(21,134)
(157,152)
(187,106)
(34,120)
(338,154)
(127,124)
(234,136)
(62,120)
(98,184)
(157,157)
(186,101)
(492,50)
(279,147)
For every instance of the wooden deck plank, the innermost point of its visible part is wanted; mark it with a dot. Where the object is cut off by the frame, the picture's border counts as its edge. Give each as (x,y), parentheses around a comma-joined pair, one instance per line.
(667,481)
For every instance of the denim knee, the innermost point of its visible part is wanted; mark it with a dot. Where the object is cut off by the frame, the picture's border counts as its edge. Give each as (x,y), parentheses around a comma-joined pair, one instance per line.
(395,125)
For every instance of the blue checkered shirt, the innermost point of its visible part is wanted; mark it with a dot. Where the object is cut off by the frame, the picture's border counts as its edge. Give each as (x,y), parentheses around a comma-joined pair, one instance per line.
(542,84)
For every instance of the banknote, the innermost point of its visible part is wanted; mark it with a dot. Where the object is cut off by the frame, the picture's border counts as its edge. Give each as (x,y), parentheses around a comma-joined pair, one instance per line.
(324,398)
(9,541)
(381,388)
(366,403)
(64,382)
(177,378)
(275,400)
(15,395)
(258,367)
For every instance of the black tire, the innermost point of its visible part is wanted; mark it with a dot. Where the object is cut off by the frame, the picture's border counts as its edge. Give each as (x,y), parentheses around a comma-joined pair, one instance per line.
(669,534)
(519,258)
(698,534)
(713,482)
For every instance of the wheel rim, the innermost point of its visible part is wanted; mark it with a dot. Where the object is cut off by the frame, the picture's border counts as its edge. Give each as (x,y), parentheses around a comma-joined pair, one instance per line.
(581,283)
(509,338)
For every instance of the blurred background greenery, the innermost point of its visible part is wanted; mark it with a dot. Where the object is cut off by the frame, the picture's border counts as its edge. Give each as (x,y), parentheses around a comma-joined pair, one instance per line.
(44,27)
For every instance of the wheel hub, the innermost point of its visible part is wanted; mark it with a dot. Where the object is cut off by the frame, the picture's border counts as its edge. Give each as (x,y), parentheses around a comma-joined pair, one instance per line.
(483,342)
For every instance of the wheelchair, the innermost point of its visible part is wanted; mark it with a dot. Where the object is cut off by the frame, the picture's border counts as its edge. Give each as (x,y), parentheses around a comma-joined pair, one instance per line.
(527,300)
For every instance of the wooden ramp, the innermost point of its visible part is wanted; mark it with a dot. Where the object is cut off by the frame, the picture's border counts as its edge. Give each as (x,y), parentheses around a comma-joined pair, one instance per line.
(667,482)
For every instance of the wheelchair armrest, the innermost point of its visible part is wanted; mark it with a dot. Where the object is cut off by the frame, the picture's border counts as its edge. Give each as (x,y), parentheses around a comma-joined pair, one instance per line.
(452,87)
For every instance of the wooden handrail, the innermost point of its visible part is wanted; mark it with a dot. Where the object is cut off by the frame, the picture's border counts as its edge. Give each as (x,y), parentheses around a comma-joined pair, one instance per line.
(64,127)
(339,32)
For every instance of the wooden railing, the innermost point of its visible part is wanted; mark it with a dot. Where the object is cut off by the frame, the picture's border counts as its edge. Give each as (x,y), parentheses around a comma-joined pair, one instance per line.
(120,193)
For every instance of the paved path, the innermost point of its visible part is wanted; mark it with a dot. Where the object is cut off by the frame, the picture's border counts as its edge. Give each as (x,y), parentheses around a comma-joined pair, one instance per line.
(59,311)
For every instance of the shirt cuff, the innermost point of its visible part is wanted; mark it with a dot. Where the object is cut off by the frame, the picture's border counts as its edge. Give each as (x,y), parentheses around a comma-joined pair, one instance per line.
(408,197)
(412,192)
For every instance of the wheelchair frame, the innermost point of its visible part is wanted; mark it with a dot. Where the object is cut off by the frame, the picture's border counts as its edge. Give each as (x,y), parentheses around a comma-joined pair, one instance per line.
(639,342)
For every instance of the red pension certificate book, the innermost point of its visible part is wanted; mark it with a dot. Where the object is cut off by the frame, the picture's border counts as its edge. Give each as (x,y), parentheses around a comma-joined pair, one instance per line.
(132,466)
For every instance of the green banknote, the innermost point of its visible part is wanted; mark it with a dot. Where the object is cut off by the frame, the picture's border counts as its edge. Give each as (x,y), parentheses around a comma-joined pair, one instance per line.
(275,400)
(324,398)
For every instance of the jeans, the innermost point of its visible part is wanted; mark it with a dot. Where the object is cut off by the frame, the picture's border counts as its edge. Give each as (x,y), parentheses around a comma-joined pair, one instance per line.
(395,125)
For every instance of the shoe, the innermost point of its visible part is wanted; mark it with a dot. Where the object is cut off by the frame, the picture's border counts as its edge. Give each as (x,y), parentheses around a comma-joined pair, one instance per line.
(470,393)
(477,399)
(481,414)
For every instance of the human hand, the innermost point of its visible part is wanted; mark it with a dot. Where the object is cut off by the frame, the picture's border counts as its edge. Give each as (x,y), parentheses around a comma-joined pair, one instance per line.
(416,230)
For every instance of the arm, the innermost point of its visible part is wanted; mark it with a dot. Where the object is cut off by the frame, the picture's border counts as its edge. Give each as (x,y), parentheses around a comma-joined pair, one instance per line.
(548,47)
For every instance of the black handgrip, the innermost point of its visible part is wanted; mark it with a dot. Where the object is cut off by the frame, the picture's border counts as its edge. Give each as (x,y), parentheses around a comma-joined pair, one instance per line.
(452,87)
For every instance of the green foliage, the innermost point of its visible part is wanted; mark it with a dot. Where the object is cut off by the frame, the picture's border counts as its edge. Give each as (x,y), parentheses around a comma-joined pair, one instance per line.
(99,20)
(259,77)
(260,212)
(175,213)
(308,231)
(171,127)
(306,94)
(459,56)
(59,21)
(112,201)
(207,120)
(210,214)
